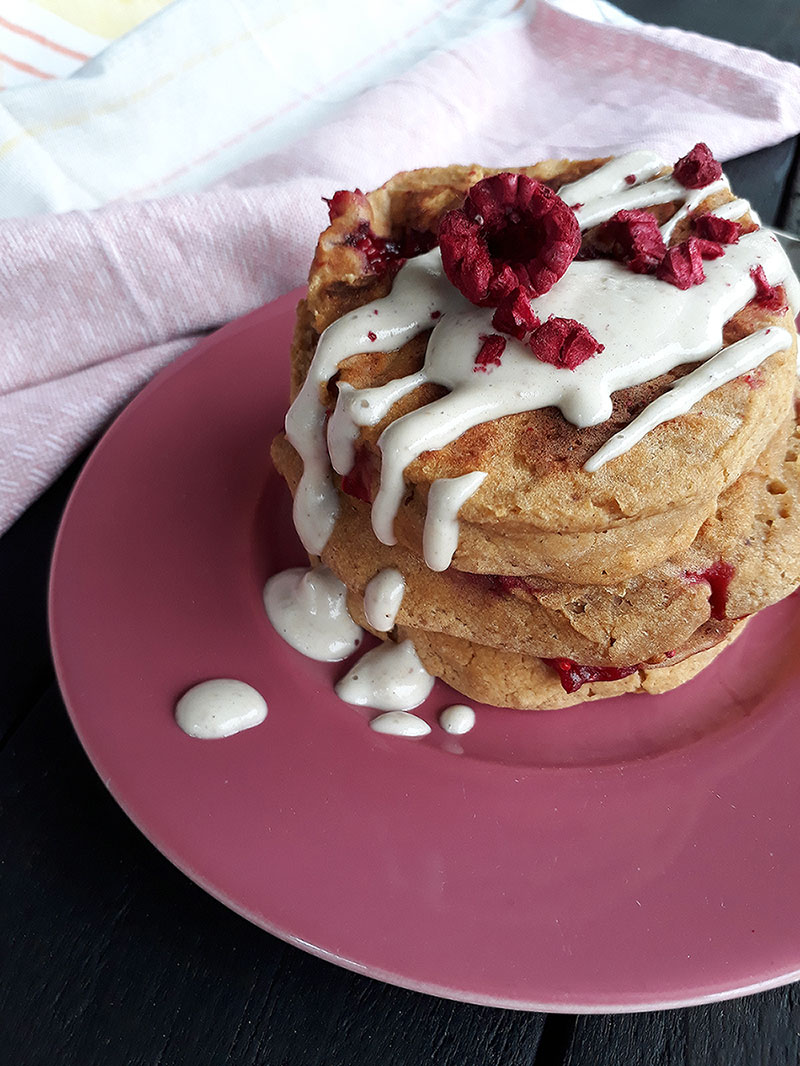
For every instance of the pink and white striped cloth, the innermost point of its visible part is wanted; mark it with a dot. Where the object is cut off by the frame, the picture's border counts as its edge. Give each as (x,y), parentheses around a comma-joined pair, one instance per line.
(95,300)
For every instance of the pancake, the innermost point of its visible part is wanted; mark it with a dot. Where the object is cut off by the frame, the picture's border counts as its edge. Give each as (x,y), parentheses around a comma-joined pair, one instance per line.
(525,682)
(538,510)
(566,424)
(751,545)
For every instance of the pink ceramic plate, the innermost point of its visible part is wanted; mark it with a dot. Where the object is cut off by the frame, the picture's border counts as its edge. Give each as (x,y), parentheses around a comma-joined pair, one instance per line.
(626,855)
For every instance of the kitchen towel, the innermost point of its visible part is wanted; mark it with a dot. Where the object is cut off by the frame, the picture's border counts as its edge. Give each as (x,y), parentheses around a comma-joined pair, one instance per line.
(121,247)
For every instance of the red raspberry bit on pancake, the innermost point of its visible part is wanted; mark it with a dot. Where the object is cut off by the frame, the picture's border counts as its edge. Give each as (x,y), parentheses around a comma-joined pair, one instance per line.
(713,228)
(697,168)
(414,242)
(573,675)
(682,266)
(509,583)
(380,253)
(770,297)
(372,336)
(512,232)
(754,379)
(358,481)
(630,179)
(515,315)
(718,576)
(563,343)
(491,352)
(635,240)
(343,200)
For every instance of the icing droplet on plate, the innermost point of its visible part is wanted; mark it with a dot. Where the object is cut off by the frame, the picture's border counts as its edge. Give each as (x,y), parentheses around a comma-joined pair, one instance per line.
(308,608)
(458,719)
(219,708)
(388,678)
(400,724)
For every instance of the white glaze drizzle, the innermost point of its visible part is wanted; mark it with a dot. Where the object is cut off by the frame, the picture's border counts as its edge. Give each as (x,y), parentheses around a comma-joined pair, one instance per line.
(440,533)
(611,178)
(658,191)
(219,708)
(308,608)
(726,365)
(388,678)
(736,209)
(692,198)
(458,719)
(420,290)
(400,724)
(382,598)
(647,326)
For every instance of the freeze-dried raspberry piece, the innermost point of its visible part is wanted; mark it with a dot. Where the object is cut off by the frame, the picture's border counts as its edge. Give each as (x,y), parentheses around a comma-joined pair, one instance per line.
(713,228)
(564,343)
(491,352)
(708,249)
(515,315)
(682,266)
(634,238)
(770,297)
(718,576)
(512,232)
(573,675)
(697,168)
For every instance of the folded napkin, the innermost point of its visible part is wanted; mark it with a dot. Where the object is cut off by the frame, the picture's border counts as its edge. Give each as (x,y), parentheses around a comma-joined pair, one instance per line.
(242,131)
(43,39)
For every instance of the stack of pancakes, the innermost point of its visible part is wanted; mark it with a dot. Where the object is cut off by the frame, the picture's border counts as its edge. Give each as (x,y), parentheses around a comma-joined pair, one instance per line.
(565,585)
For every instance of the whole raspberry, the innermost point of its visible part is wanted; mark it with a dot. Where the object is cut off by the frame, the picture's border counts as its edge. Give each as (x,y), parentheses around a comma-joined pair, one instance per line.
(512,232)
(682,266)
(564,343)
(697,168)
(770,297)
(515,314)
(490,354)
(634,238)
(714,228)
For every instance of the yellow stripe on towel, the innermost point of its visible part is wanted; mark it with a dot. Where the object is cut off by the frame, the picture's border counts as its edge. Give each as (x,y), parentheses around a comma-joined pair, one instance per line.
(106,18)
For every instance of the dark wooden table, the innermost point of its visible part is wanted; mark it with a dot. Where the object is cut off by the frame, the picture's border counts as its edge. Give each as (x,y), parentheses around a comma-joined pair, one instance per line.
(111,957)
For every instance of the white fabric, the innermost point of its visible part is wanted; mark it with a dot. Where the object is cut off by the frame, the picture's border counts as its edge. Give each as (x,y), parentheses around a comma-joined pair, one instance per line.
(205,86)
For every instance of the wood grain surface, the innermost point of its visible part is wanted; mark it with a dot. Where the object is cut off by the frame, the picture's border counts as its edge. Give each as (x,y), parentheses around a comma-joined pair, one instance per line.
(111,957)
